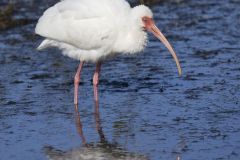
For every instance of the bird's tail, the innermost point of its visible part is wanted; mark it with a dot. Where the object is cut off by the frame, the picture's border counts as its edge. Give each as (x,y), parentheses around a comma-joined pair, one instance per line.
(45,44)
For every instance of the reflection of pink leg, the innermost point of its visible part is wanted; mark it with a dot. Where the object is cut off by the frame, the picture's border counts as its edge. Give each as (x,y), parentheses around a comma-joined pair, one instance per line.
(96,80)
(76,82)
(79,125)
(98,123)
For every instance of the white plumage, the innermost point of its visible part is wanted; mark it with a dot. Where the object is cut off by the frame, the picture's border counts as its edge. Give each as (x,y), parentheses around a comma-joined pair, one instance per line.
(93,30)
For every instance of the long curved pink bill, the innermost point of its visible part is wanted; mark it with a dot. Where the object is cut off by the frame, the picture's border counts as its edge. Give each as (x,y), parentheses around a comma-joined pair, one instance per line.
(162,38)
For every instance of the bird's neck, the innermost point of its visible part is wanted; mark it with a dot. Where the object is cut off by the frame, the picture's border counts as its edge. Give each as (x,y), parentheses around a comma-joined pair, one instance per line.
(131,40)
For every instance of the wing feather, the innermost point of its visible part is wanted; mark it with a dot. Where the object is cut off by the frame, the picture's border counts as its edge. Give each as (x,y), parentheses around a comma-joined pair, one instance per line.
(80,23)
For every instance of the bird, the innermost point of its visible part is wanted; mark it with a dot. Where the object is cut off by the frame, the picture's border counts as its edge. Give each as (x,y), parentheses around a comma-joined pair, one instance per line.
(92,31)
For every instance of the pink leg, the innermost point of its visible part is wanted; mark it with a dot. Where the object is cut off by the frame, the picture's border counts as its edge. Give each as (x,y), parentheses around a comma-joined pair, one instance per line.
(76,82)
(96,80)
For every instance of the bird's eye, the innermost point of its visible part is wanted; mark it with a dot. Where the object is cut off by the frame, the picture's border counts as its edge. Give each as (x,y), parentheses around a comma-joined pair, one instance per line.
(144,19)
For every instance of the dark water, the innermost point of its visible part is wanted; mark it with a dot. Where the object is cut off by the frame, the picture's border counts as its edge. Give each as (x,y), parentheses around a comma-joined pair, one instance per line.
(146,110)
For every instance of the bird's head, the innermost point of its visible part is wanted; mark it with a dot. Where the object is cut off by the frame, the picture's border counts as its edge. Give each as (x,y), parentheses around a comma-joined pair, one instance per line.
(144,18)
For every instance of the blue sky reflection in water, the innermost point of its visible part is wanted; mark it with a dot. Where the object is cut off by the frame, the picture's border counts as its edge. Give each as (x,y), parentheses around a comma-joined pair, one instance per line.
(145,108)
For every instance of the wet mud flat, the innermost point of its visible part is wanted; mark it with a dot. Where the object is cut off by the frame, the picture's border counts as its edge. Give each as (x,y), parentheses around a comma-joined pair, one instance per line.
(146,111)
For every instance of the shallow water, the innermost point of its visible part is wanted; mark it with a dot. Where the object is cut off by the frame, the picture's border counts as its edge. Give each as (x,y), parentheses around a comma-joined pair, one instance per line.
(146,110)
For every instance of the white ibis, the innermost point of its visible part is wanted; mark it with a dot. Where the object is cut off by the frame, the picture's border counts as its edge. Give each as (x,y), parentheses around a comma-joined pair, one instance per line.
(94,30)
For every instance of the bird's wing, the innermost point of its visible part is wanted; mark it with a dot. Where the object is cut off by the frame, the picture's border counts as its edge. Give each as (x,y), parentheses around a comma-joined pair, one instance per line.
(81,23)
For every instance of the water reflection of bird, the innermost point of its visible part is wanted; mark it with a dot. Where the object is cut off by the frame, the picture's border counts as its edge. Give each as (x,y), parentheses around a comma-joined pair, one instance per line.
(101,150)
(93,30)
